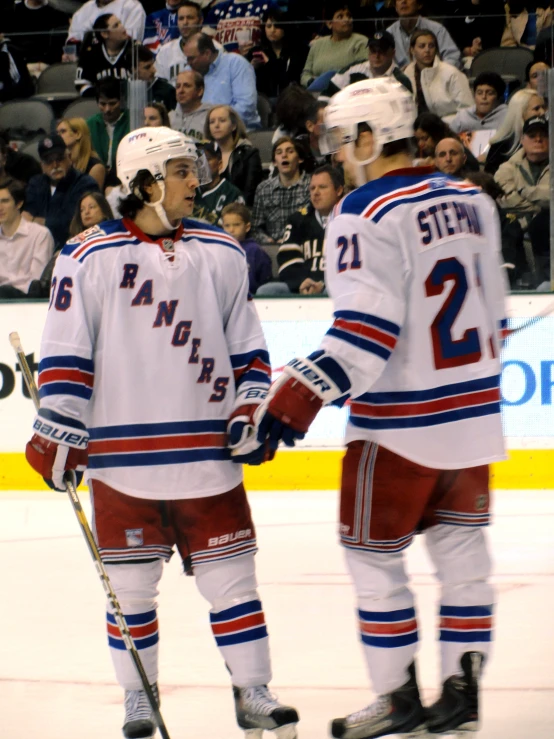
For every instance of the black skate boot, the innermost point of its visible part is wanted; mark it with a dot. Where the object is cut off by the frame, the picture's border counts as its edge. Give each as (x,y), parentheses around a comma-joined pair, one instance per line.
(457,710)
(139,721)
(258,711)
(399,713)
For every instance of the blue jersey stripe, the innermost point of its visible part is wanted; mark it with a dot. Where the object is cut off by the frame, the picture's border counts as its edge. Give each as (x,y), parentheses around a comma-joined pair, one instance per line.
(243,360)
(148,641)
(147,459)
(467,611)
(465,637)
(430,195)
(402,614)
(157,429)
(66,361)
(390,642)
(435,419)
(138,619)
(443,391)
(242,636)
(65,388)
(243,609)
(360,343)
(370,320)
(254,376)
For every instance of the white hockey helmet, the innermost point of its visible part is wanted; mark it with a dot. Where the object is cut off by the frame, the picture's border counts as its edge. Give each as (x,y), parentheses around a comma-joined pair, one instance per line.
(150,149)
(385,105)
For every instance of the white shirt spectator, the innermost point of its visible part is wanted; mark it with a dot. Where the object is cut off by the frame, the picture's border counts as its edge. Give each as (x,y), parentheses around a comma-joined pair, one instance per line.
(171,60)
(24,254)
(130,13)
(445,89)
(448,50)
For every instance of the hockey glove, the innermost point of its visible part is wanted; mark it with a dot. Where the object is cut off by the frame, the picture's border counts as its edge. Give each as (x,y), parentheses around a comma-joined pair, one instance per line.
(58,444)
(296,397)
(243,442)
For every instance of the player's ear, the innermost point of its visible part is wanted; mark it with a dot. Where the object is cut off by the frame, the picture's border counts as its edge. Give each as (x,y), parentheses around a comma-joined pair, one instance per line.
(248,227)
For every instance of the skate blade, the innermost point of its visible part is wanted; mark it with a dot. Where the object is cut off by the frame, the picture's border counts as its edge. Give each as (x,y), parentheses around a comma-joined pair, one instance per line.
(282,732)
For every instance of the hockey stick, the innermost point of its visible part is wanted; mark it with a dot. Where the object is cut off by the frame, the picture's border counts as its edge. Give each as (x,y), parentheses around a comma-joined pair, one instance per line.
(546,311)
(69,479)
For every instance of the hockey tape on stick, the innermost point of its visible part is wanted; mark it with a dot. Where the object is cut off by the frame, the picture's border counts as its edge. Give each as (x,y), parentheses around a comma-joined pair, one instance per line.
(69,479)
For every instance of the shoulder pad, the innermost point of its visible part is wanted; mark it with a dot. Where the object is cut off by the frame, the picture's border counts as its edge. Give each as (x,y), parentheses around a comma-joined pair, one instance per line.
(84,235)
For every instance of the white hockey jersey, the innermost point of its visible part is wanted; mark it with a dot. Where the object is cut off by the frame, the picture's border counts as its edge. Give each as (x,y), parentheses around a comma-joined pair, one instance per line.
(171,60)
(413,267)
(146,343)
(130,13)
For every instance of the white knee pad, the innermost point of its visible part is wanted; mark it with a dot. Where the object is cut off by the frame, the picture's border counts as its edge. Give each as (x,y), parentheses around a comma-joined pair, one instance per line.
(460,555)
(227,583)
(380,580)
(136,585)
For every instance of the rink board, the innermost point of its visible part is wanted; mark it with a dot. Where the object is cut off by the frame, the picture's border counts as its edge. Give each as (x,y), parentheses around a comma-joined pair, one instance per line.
(294,328)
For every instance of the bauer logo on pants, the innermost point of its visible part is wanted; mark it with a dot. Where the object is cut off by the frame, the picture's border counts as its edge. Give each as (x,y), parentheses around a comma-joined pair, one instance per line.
(134,537)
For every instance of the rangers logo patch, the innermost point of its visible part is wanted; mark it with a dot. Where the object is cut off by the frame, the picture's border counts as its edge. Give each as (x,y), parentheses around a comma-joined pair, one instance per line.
(134,537)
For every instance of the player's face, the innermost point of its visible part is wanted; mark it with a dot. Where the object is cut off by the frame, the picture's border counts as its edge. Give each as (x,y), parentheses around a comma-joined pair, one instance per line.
(379,59)
(535,74)
(535,106)
(221,125)
(110,109)
(181,181)
(406,8)
(424,51)
(188,21)
(68,135)
(535,145)
(286,159)
(274,34)
(323,194)
(186,90)
(486,99)
(449,156)
(146,70)
(234,225)
(8,207)
(90,211)
(152,117)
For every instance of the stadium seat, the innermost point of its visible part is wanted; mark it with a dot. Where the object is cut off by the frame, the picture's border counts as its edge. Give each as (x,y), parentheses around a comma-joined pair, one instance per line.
(262,140)
(508,62)
(82,108)
(25,119)
(264,111)
(32,149)
(57,82)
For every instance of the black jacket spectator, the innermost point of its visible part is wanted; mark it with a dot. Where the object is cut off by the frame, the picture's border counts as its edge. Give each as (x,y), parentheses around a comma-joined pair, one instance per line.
(57,209)
(466,21)
(301,254)
(109,53)
(245,170)
(41,31)
(14,164)
(15,80)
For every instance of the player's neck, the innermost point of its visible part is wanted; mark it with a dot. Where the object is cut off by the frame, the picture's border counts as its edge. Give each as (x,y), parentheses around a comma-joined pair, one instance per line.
(383,165)
(149,223)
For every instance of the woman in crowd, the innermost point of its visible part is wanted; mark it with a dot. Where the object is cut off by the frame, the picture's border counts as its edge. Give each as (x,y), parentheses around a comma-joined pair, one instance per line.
(240,161)
(534,73)
(522,105)
(93,208)
(156,114)
(76,136)
(279,59)
(438,87)
(329,54)
(429,130)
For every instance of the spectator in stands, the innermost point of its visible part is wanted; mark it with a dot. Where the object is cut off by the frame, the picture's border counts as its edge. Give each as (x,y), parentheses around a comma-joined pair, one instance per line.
(438,87)
(237,222)
(161,26)
(172,59)
(25,248)
(210,199)
(489,110)
(158,90)
(534,73)
(278,197)
(92,209)
(51,197)
(543,49)
(525,179)
(130,13)
(190,114)
(524,22)
(380,64)
(429,130)
(111,124)
(329,54)
(372,16)
(506,141)
(15,80)
(409,21)
(301,254)
(76,136)
(109,54)
(238,23)
(29,20)
(228,78)
(450,157)
(475,25)
(156,115)
(279,58)
(15,164)
(241,163)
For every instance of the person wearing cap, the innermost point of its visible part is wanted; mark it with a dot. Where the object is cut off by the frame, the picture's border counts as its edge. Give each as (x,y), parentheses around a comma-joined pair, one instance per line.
(52,197)
(525,179)
(489,111)
(380,63)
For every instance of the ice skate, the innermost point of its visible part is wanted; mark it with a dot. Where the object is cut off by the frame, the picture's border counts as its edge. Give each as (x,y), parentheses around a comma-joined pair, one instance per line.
(397,714)
(258,711)
(139,721)
(456,713)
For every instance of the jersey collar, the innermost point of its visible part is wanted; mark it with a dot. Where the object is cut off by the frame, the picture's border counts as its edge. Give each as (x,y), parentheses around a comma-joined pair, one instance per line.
(165,243)
(414,171)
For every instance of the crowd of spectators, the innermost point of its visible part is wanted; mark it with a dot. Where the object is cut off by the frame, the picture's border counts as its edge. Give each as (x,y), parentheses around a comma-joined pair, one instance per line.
(222,70)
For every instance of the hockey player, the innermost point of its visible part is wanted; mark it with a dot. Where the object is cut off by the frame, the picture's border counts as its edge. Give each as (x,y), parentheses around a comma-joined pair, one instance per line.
(153,355)
(413,267)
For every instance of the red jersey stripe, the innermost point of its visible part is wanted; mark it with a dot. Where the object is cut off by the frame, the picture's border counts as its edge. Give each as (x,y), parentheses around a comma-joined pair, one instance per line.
(156,443)
(428,406)
(400,627)
(367,331)
(238,624)
(66,375)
